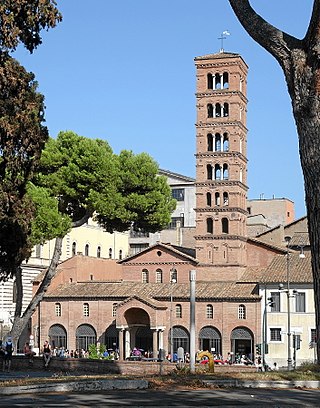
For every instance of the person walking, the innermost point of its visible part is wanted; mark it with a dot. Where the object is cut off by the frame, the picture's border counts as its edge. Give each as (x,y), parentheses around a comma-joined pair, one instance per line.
(8,350)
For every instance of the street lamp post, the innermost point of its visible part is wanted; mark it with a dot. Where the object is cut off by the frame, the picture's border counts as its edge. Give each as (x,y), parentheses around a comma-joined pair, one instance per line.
(288,239)
(172,281)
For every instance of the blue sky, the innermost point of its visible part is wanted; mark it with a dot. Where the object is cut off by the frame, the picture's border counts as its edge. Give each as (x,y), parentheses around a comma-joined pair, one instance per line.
(124,71)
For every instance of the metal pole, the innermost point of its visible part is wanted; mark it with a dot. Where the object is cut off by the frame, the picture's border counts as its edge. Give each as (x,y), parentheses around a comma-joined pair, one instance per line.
(171,328)
(288,309)
(192,321)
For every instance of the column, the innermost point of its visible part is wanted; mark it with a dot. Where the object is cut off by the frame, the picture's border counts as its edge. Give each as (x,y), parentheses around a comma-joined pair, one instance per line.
(121,351)
(127,343)
(155,343)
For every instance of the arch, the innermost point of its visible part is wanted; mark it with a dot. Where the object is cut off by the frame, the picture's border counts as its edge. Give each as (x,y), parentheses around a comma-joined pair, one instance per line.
(85,335)
(74,248)
(217,172)
(225,172)
(225,142)
(217,198)
(217,142)
(225,198)
(209,172)
(86,309)
(210,110)
(145,276)
(218,110)
(180,337)
(225,80)
(57,336)
(86,250)
(57,309)
(209,201)
(242,341)
(110,253)
(159,276)
(209,81)
(217,81)
(209,142)
(225,109)
(137,316)
(209,225)
(210,339)
(178,311)
(225,225)
(120,254)
(209,311)
(99,252)
(242,312)
(111,338)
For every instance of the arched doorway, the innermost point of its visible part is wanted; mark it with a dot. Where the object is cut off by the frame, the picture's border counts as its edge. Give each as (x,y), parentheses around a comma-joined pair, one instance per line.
(85,335)
(57,336)
(210,339)
(111,339)
(242,342)
(138,322)
(180,338)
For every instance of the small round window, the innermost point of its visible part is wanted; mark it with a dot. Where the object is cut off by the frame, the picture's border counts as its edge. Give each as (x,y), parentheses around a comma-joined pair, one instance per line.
(159,253)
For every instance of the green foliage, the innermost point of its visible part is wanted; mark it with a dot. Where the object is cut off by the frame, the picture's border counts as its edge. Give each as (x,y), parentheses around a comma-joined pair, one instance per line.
(23,20)
(22,137)
(96,352)
(87,178)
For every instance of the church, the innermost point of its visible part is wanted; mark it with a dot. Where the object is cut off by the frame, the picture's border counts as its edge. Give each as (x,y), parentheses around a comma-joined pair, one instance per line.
(143,300)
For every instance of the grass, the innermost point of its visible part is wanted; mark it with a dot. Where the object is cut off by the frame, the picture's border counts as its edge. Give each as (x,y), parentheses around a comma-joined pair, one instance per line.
(179,378)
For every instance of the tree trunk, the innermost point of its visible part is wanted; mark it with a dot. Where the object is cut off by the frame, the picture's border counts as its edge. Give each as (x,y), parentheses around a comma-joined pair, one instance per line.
(20,322)
(300,61)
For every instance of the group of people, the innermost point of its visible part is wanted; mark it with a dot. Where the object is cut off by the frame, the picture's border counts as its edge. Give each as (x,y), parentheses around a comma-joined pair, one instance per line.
(6,350)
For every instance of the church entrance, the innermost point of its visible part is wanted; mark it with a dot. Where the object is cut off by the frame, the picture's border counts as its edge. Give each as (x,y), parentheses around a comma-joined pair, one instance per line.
(242,343)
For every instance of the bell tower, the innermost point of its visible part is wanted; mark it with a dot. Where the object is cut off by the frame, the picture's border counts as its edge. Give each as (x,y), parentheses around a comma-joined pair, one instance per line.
(221,166)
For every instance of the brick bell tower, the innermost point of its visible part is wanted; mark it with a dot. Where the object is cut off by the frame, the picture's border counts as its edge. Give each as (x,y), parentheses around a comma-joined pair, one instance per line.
(221,166)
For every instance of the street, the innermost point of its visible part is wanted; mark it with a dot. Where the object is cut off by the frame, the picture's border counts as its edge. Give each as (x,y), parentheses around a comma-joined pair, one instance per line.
(182,398)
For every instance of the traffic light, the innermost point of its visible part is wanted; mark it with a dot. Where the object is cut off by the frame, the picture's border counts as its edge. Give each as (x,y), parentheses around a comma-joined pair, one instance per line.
(258,348)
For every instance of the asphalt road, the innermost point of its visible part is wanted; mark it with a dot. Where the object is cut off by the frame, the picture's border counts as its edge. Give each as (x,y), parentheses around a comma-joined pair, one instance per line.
(154,398)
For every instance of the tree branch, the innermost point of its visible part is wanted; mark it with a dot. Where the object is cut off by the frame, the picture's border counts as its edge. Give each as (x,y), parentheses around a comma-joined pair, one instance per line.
(313,33)
(275,41)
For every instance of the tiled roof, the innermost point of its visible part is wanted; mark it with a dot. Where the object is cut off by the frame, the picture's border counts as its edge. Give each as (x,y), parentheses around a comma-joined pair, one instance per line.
(299,269)
(204,290)
(252,274)
(217,55)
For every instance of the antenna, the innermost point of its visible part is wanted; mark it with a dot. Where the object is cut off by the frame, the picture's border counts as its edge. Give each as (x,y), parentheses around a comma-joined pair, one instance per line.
(223,37)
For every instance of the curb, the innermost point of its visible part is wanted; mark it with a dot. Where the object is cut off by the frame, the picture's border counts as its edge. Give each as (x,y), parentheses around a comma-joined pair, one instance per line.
(262,384)
(94,385)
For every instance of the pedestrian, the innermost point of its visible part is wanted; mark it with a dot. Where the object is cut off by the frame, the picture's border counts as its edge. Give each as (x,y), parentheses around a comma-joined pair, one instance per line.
(46,354)
(28,352)
(8,350)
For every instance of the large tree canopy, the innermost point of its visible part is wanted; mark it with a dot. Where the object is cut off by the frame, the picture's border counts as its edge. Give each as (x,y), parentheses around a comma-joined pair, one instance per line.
(300,62)
(21,21)
(78,178)
(22,137)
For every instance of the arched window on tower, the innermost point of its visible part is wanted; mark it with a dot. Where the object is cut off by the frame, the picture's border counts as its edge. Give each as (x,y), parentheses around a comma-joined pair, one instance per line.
(217,198)
(225,142)
(209,199)
(145,276)
(99,252)
(217,142)
(86,250)
(209,172)
(217,172)
(74,248)
(225,110)
(240,175)
(120,253)
(218,110)
(209,142)
(225,80)
(210,225)
(210,110)
(217,84)
(225,225)
(210,81)
(225,172)
(110,253)
(225,198)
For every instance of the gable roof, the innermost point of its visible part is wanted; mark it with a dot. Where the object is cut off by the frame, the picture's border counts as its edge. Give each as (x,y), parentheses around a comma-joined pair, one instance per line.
(184,252)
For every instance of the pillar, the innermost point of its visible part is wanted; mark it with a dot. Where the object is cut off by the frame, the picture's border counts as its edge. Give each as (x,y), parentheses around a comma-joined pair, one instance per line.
(121,351)
(155,343)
